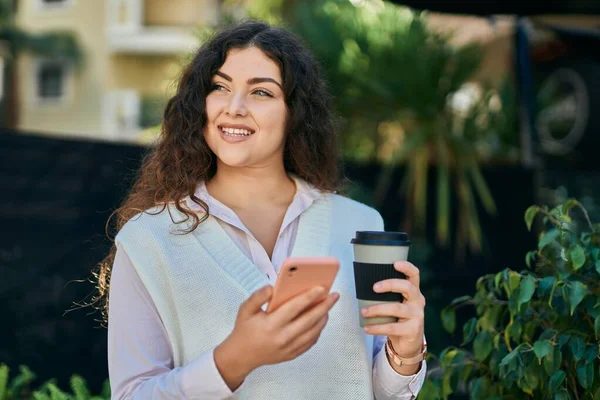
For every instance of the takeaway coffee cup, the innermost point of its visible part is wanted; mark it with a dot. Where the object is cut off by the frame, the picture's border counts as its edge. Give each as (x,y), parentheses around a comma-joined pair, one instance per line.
(374,255)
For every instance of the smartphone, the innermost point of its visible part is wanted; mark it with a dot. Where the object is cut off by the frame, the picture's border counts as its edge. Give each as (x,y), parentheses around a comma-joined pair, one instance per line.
(300,274)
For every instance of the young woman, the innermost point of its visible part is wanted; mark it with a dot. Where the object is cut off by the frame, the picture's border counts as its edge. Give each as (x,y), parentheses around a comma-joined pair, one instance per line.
(243,176)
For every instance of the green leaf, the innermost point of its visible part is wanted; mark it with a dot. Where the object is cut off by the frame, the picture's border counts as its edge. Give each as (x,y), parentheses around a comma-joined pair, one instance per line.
(530,215)
(482,346)
(469,330)
(556,380)
(597,265)
(545,285)
(79,387)
(591,352)
(515,329)
(577,347)
(552,361)
(562,339)
(597,394)
(530,258)
(562,395)
(597,326)
(585,374)
(479,388)
(577,256)
(526,290)
(541,348)
(4,371)
(577,292)
(551,297)
(56,393)
(430,390)
(513,280)
(565,219)
(447,384)
(567,205)
(447,356)
(460,299)
(498,280)
(510,358)
(547,238)
(589,307)
(532,373)
(497,340)
(449,319)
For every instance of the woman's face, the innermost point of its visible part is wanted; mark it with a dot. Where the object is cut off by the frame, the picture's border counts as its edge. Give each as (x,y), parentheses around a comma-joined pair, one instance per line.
(246,111)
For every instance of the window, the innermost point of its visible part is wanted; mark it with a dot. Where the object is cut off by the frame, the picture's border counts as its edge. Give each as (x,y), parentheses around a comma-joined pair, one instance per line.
(51,81)
(54,4)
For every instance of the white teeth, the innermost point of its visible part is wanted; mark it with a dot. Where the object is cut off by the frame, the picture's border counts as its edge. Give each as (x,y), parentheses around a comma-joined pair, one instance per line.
(236,132)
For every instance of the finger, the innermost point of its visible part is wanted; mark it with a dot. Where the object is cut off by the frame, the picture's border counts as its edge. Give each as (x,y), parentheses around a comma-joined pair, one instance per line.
(307,339)
(406,328)
(413,275)
(400,310)
(305,321)
(256,300)
(410,292)
(295,306)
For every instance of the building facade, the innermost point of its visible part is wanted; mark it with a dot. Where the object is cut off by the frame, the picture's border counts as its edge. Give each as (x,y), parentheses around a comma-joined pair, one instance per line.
(134,51)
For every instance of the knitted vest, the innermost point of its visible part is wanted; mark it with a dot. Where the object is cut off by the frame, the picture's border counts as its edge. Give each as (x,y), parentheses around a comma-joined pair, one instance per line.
(198,281)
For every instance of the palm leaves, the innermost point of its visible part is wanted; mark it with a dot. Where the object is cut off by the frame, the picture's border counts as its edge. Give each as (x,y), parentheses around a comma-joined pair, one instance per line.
(385,64)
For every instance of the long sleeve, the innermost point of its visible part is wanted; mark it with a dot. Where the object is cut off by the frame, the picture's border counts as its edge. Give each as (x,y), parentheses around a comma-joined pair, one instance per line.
(140,358)
(387,383)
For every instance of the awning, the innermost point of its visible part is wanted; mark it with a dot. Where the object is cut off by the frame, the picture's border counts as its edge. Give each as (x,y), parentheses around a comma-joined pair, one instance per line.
(489,7)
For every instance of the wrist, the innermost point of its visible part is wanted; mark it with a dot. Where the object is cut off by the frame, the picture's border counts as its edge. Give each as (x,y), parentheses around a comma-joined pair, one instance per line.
(403,364)
(404,370)
(233,368)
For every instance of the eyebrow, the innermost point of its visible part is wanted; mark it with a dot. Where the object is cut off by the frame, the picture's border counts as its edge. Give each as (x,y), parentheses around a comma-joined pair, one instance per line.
(251,81)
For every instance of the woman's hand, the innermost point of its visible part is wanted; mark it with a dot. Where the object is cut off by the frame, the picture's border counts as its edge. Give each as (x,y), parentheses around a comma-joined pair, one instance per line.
(408,333)
(260,339)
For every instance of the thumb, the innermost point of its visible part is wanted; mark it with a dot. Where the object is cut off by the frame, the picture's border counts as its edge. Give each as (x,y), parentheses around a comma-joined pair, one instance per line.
(254,303)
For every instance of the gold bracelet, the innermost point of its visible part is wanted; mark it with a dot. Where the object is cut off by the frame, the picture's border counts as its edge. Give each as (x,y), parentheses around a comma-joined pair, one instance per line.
(399,361)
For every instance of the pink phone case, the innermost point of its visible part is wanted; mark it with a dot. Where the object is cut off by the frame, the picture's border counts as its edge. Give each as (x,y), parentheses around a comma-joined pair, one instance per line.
(299,274)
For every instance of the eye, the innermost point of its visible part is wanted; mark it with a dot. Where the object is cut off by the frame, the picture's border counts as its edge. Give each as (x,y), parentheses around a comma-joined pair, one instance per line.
(262,93)
(218,87)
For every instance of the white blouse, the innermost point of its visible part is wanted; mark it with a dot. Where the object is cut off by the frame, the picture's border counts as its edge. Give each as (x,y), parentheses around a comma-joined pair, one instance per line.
(140,358)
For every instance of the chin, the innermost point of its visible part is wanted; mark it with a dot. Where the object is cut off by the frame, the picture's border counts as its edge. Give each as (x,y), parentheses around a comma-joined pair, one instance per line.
(233,160)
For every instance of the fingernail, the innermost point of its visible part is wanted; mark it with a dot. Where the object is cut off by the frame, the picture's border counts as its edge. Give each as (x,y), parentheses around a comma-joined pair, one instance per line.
(367,329)
(319,290)
(377,286)
(364,311)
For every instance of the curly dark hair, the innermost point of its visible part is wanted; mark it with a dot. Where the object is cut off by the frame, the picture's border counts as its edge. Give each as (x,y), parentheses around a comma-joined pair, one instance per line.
(181,158)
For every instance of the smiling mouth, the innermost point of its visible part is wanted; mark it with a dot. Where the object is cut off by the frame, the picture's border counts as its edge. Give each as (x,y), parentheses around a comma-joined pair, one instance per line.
(235,131)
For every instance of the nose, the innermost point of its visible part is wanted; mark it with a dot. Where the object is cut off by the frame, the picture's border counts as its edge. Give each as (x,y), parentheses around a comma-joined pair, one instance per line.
(236,106)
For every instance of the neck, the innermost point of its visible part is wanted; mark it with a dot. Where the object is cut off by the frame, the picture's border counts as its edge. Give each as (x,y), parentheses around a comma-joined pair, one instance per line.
(242,188)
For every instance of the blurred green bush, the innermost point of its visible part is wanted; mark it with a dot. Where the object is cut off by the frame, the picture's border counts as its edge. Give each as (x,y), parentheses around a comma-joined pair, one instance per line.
(536,332)
(21,387)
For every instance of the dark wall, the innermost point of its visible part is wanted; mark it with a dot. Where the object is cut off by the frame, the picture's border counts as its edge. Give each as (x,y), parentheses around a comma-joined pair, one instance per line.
(56,198)
(58,194)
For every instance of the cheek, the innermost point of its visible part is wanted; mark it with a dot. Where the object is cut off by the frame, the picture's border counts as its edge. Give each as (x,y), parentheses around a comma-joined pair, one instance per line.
(212,108)
(274,119)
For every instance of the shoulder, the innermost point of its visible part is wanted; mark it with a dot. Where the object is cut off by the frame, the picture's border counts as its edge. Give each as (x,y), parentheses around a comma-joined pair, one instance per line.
(347,208)
(155,222)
